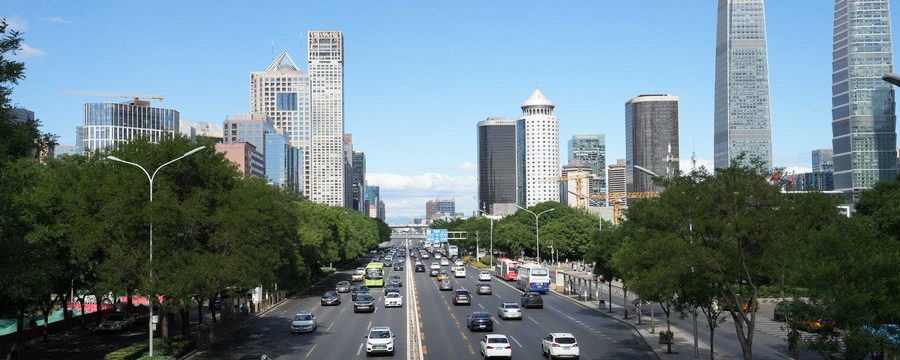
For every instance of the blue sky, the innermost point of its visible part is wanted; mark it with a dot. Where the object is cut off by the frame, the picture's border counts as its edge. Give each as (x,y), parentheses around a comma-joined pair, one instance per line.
(420,74)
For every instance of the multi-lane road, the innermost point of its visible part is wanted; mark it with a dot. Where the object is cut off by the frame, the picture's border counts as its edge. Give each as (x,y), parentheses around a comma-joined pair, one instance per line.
(442,329)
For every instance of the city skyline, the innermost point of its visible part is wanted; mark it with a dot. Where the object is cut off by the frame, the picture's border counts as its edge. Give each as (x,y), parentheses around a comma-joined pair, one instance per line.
(589,98)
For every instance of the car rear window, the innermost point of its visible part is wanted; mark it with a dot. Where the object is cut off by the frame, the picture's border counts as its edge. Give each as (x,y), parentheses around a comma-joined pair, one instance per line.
(565,340)
(364,297)
(497,341)
(462,292)
(511,306)
(481,315)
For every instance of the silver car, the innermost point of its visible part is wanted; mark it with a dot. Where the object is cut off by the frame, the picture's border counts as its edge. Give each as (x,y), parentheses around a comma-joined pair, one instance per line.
(509,310)
(303,321)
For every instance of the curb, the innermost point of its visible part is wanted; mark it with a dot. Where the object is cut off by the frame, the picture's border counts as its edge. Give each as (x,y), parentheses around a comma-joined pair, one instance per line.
(611,317)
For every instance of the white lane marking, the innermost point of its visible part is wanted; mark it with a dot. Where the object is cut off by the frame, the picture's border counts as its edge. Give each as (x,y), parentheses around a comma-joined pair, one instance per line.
(311,350)
(342,311)
(534,321)
(329,327)
(482,307)
(370,326)
(516,341)
(255,336)
(359,350)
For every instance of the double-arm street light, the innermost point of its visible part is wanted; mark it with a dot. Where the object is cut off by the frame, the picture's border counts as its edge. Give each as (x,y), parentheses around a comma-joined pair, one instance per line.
(537,228)
(491,255)
(150,178)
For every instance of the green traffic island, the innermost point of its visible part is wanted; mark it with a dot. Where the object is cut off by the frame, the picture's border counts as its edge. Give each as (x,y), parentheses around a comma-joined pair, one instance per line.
(176,349)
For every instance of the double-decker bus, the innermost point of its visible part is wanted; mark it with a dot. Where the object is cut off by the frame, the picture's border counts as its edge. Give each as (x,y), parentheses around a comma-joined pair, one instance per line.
(533,277)
(374,274)
(505,269)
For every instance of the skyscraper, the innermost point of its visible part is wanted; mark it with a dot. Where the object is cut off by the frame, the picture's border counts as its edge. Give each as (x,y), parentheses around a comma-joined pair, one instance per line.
(497,166)
(863,120)
(742,120)
(359,181)
(590,150)
(651,140)
(107,125)
(617,177)
(326,81)
(373,197)
(284,163)
(282,93)
(251,128)
(538,151)
(822,160)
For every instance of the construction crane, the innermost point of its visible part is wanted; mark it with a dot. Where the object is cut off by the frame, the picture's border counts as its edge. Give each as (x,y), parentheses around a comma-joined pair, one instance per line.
(579,198)
(617,199)
(135,96)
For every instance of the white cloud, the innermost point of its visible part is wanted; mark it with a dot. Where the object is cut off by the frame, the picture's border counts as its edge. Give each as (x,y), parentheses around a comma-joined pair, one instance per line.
(16,24)
(57,19)
(466,166)
(685,165)
(26,51)
(428,181)
(405,195)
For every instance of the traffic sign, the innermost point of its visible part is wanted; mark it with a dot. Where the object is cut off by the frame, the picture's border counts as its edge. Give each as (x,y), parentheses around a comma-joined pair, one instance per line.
(436,235)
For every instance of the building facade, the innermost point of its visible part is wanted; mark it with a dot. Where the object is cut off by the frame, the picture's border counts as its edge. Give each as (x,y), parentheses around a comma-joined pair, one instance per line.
(251,128)
(822,160)
(439,208)
(590,149)
(538,151)
(326,81)
(282,93)
(575,185)
(497,166)
(651,140)
(359,181)
(742,118)
(108,125)
(284,163)
(813,181)
(243,154)
(79,140)
(21,115)
(64,149)
(863,116)
(617,182)
(373,197)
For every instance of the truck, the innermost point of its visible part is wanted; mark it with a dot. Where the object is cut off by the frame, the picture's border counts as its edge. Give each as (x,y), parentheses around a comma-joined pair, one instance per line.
(452,251)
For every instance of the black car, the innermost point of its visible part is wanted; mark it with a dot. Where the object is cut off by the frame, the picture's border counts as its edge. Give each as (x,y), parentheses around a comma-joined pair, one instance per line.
(391,288)
(364,302)
(532,299)
(331,298)
(359,289)
(398,267)
(480,321)
(462,297)
(420,267)
(396,280)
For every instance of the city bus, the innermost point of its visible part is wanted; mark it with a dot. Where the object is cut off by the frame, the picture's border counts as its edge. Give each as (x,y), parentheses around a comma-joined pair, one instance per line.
(374,274)
(533,277)
(505,269)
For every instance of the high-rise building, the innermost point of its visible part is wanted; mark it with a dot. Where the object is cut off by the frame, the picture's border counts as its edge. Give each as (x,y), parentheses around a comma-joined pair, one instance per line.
(326,82)
(79,140)
(203,129)
(812,181)
(381,212)
(651,140)
(64,149)
(497,166)
(439,208)
(282,93)
(742,120)
(590,149)
(538,151)
(251,128)
(108,125)
(359,181)
(822,160)
(348,171)
(284,163)
(863,119)
(373,197)
(243,154)
(21,115)
(617,182)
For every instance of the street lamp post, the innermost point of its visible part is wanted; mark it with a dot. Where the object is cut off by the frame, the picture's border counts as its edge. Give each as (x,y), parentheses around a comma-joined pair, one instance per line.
(491,255)
(150,263)
(537,228)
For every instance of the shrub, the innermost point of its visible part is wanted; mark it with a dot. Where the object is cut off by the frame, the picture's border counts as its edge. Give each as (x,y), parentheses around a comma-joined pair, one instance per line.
(132,352)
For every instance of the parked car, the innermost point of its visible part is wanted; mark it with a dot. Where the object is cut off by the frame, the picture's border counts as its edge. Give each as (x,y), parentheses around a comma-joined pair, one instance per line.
(342,286)
(559,345)
(484,275)
(393,299)
(532,299)
(462,297)
(480,321)
(495,345)
(364,302)
(380,340)
(484,289)
(509,310)
(116,322)
(303,321)
(331,298)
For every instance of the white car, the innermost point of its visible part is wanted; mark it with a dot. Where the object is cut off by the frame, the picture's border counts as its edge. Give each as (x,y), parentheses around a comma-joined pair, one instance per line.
(437,255)
(435,265)
(509,310)
(484,276)
(393,299)
(358,275)
(445,262)
(458,262)
(459,272)
(495,345)
(304,321)
(380,340)
(560,345)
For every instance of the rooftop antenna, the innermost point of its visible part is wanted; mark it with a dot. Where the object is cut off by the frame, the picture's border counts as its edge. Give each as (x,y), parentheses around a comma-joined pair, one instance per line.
(693,157)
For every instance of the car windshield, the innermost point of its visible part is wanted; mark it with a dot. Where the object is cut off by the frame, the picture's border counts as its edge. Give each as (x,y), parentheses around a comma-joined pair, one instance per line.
(380,334)
(331,294)
(485,273)
(565,340)
(343,283)
(116,317)
(303,317)
(463,292)
(497,340)
(364,297)
(392,295)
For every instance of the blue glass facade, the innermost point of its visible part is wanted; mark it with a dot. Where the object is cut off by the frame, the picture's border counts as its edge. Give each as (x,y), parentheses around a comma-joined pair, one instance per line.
(107,125)
(283,163)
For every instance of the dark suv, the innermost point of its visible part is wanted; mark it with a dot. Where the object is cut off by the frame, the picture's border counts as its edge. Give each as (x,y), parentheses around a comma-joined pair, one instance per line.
(532,299)
(364,302)
(462,296)
(420,267)
(480,320)
(359,289)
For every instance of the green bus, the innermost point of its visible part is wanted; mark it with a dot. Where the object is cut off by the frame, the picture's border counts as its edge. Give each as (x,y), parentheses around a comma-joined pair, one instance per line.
(375,274)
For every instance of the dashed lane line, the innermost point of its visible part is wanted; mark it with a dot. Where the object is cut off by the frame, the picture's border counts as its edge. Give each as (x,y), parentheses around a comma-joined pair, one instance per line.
(370,326)
(533,320)
(359,350)
(329,327)
(481,306)
(516,341)
(311,350)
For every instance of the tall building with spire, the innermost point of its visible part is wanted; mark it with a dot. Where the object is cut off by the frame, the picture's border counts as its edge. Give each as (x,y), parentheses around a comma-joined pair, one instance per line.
(326,82)
(281,92)
(742,119)
(538,146)
(863,119)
